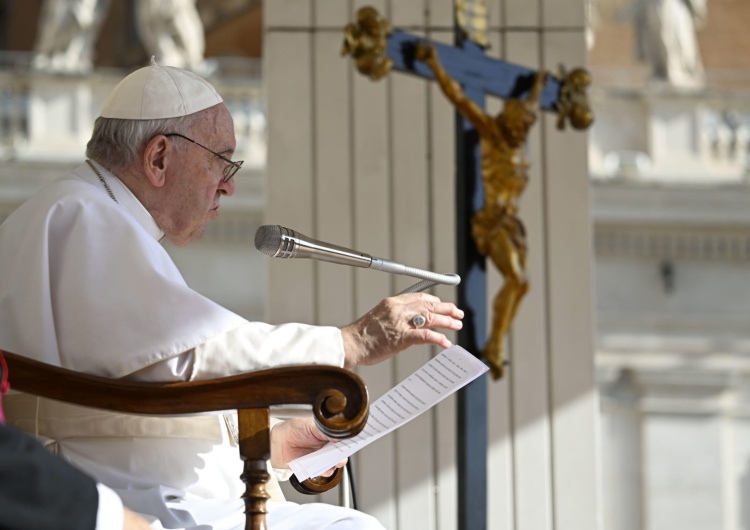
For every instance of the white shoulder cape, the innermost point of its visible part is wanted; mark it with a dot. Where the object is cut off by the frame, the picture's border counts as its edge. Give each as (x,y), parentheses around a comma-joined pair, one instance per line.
(85,283)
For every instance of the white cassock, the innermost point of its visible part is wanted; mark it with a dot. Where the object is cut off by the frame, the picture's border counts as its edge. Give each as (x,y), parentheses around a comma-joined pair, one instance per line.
(85,284)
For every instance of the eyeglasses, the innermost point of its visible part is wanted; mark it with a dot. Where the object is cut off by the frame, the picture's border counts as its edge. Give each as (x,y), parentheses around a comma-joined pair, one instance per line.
(232,166)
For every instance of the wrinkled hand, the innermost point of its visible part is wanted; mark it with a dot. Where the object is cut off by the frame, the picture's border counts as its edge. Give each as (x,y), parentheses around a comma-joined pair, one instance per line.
(294,438)
(388,328)
(424,51)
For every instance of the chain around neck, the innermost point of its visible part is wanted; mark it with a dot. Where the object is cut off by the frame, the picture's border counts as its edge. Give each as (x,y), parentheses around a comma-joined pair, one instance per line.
(104,182)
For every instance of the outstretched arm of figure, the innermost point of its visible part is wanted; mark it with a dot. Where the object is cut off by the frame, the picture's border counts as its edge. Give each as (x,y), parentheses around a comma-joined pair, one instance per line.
(540,79)
(426,52)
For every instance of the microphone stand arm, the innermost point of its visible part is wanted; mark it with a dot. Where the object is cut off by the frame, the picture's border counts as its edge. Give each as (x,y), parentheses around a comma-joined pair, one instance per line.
(429,279)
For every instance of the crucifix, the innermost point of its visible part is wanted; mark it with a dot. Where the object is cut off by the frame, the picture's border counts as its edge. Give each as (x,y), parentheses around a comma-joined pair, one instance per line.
(491,173)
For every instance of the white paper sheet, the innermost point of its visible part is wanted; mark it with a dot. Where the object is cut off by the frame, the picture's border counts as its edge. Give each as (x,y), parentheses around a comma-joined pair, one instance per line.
(437,379)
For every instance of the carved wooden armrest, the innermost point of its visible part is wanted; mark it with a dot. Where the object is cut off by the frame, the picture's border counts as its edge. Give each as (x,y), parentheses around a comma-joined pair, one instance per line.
(338,398)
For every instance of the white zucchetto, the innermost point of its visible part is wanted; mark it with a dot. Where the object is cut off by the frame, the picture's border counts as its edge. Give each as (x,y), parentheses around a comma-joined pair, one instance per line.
(156,92)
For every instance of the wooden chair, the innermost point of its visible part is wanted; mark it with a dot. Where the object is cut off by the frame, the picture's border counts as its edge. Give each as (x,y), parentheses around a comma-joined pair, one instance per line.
(338,398)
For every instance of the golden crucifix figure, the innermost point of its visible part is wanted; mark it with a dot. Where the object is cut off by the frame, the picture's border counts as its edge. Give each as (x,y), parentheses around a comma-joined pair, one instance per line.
(496,228)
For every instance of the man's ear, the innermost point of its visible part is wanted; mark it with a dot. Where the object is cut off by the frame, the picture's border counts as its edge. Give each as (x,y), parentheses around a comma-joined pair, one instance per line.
(156,158)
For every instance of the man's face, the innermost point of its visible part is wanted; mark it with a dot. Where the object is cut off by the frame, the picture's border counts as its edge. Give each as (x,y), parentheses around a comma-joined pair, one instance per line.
(197,183)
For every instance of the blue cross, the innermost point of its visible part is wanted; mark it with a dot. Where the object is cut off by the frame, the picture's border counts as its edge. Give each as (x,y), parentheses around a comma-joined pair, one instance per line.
(478,76)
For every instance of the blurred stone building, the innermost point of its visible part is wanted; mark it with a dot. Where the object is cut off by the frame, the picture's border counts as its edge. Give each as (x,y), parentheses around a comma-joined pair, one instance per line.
(670,177)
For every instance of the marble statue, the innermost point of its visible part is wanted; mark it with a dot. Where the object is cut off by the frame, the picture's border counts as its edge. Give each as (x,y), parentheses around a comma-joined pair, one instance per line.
(666,38)
(67,33)
(171,30)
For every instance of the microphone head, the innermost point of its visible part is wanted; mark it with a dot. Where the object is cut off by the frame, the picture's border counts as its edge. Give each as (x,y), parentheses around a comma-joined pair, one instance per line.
(280,242)
(268,239)
(275,241)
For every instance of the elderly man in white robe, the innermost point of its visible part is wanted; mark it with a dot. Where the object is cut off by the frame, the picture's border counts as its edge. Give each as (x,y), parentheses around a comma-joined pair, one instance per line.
(85,284)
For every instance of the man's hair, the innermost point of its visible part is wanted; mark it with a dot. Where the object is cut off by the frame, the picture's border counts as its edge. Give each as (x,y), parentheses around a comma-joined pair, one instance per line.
(117,143)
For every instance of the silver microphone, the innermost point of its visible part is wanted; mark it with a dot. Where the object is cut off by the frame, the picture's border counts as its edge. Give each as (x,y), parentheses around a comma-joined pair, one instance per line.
(280,242)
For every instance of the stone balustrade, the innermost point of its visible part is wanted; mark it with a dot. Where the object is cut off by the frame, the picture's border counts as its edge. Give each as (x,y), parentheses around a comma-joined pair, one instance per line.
(667,135)
(49,117)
